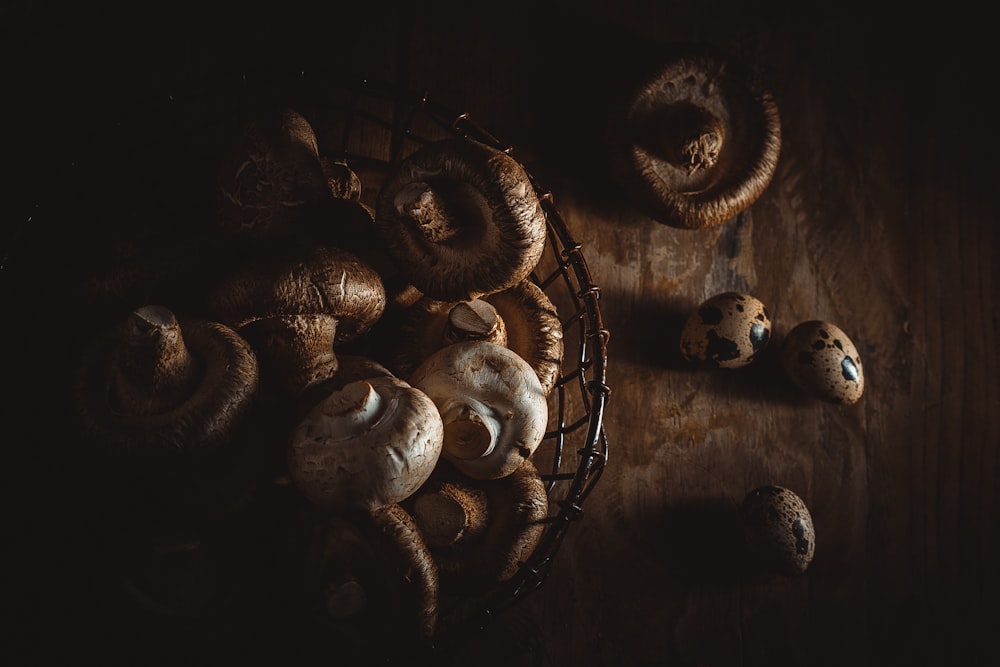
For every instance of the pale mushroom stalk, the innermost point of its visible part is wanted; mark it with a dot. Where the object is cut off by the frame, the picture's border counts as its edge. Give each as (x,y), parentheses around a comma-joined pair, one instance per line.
(471,428)
(429,324)
(474,320)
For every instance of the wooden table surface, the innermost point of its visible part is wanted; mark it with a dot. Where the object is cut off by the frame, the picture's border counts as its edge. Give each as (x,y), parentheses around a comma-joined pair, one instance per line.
(880,218)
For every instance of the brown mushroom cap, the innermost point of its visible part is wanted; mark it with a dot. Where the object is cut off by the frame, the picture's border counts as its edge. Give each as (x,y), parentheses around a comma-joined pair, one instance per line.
(159,386)
(373,577)
(534,330)
(321,280)
(698,142)
(270,177)
(515,509)
(430,324)
(461,219)
(297,307)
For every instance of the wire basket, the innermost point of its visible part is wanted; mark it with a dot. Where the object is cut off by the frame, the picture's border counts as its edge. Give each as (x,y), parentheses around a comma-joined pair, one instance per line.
(372,126)
(576,449)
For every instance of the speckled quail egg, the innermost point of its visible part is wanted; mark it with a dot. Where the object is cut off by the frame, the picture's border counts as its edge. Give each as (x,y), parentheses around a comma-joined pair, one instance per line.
(822,360)
(778,529)
(727,330)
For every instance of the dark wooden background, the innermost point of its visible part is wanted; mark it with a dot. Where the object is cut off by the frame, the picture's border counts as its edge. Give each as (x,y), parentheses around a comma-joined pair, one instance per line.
(881,218)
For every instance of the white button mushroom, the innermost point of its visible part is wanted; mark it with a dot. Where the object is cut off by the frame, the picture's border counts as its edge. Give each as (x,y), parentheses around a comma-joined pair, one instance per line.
(492,405)
(372,443)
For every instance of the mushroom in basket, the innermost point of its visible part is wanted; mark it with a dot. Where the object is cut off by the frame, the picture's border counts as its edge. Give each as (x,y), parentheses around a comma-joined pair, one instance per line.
(296,307)
(492,405)
(357,453)
(371,579)
(371,443)
(461,219)
(480,531)
(521,318)
(271,179)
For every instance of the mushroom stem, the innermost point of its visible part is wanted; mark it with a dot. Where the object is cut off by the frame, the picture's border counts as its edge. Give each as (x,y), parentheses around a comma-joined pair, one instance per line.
(470,430)
(691,136)
(449,513)
(355,407)
(155,371)
(427,210)
(474,320)
(346,599)
(296,351)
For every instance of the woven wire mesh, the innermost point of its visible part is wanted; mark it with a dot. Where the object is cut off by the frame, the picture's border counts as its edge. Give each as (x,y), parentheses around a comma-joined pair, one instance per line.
(575,448)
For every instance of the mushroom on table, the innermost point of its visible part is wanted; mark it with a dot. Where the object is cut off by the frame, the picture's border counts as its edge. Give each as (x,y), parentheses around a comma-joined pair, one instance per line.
(698,142)
(166,405)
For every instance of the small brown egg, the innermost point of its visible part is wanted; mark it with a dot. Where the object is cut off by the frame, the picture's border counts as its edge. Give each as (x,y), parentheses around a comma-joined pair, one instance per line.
(822,360)
(778,529)
(727,330)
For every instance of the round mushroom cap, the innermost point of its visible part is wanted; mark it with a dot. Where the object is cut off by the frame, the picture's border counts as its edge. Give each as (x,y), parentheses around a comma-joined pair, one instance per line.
(461,219)
(321,280)
(270,177)
(514,510)
(158,385)
(492,405)
(534,330)
(372,577)
(698,142)
(369,444)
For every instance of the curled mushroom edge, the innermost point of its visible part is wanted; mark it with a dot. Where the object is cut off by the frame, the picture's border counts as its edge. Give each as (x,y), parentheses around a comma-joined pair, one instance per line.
(493,408)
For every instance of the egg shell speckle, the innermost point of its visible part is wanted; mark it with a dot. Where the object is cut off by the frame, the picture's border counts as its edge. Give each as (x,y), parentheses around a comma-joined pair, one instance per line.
(778,529)
(727,330)
(821,359)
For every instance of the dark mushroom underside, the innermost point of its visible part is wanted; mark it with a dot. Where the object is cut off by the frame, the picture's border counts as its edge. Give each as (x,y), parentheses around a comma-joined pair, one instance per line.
(698,144)
(496,228)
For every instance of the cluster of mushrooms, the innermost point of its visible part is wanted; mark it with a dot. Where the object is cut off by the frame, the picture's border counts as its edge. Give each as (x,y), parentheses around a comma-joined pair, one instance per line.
(389,363)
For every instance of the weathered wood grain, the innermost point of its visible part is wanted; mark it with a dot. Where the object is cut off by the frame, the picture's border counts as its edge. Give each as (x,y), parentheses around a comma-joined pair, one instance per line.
(881,218)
